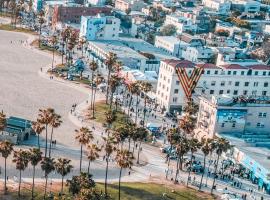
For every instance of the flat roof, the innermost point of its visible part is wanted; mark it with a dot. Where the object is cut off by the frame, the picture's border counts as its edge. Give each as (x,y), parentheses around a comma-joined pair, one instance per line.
(172,39)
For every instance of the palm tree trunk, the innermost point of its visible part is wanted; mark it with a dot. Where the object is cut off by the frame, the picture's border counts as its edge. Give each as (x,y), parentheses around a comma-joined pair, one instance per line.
(119,185)
(136,111)
(138,157)
(106,175)
(46,140)
(50,149)
(107,89)
(129,105)
(45,189)
(20,180)
(62,185)
(133,147)
(202,172)
(94,99)
(63,46)
(89,163)
(81,160)
(33,182)
(144,111)
(38,141)
(209,163)
(52,58)
(92,90)
(168,167)
(39,37)
(215,175)
(111,100)
(129,140)
(189,171)
(177,169)
(5,192)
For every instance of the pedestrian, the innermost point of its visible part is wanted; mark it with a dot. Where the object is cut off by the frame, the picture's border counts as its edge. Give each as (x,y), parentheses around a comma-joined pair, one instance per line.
(7,178)
(129,173)
(41,69)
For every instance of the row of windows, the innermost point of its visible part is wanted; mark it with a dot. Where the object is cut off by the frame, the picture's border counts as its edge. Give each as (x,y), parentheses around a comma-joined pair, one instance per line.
(242,73)
(237,83)
(235,92)
(258,125)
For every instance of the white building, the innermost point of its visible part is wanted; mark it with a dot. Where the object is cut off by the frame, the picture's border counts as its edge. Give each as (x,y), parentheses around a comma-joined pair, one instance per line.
(170,44)
(182,24)
(235,80)
(133,5)
(97,2)
(247,6)
(267,29)
(100,27)
(197,54)
(220,6)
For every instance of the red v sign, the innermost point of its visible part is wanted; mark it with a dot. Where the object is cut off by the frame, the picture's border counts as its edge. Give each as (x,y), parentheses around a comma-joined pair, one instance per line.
(189,83)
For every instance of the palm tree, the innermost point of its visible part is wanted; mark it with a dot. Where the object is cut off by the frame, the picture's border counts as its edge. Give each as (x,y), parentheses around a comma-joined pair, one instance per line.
(142,134)
(98,80)
(82,41)
(41,21)
(38,128)
(64,35)
(109,149)
(206,148)
(21,159)
(3,121)
(92,154)
(222,145)
(93,67)
(110,118)
(194,145)
(47,165)
(45,118)
(121,133)
(113,84)
(145,87)
(109,62)
(83,136)
(63,167)
(124,160)
(53,42)
(54,123)
(6,148)
(133,88)
(35,156)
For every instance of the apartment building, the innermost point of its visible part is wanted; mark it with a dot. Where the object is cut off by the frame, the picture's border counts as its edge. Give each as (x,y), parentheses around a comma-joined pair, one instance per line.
(232,79)
(220,6)
(100,27)
(182,24)
(134,5)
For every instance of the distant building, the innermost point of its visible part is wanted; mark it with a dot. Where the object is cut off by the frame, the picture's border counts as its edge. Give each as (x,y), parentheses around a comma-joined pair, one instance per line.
(246,6)
(134,5)
(73,15)
(17,130)
(170,44)
(100,27)
(182,24)
(97,2)
(220,6)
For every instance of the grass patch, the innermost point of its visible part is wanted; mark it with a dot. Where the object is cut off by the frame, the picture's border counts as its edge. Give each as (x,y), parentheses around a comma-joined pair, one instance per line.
(8,27)
(100,115)
(129,191)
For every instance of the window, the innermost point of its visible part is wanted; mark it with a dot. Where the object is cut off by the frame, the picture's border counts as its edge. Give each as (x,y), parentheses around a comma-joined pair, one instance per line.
(222,83)
(237,83)
(246,84)
(256,73)
(203,91)
(264,93)
(264,73)
(235,92)
(234,72)
(211,92)
(220,91)
(177,82)
(256,84)
(174,99)
(228,91)
(176,91)
(245,92)
(254,92)
(216,71)
(260,125)
(213,83)
(223,124)
(229,72)
(233,125)
(230,83)
(208,72)
(262,115)
(265,84)
(242,73)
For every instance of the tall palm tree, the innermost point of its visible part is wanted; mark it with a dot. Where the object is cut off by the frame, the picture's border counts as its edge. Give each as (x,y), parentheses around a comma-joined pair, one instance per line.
(63,167)
(54,123)
(64,35)
(47,165)
(93,67)
(194,145)
(45,118)
(142,134)
(206,148)
(35,156)
(38,128)
(109,62)
(113,84)
(3,121)
(121,133)
(133,88)
(222,145)
(92,154)
(53,41)
(83,136)
(82,41)
(41,21)
(124,160)
(6,149)
(21,159)
(98,80)
(145,87)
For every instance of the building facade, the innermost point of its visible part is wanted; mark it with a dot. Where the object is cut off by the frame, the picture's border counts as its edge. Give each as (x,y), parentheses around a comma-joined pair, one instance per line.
(125,5)
(234,80)
(220,6)
(100,27)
